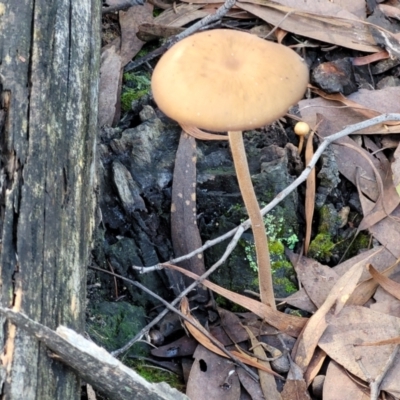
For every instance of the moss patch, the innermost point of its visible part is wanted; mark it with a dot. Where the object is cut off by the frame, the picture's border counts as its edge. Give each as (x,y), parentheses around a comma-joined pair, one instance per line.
(321,247)
(112,325)
(135,86)
(156,374)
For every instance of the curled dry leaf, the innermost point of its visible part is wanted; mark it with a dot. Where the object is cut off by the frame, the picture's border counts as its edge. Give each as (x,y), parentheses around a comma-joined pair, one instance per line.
(390,286)
(356,326)
(338,381)
(340,293)
(195,330)
(289,324)
(267,381)
(212,377)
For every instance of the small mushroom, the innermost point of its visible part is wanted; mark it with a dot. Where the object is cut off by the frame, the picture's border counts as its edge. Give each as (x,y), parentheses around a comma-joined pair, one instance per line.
(301,129)
(225,80)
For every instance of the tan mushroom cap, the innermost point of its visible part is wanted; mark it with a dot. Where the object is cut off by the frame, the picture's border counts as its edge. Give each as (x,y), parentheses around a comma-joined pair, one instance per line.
(225,80)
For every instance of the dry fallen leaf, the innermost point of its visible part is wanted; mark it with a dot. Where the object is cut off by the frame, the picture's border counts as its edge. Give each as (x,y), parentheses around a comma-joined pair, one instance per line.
(341,291)
(295,386)
(338,385)
(286,323)
(343,29)
(212,377)
(110,75)
(354,326)
(180,15)
(319,279)
(396,170)
(267,381)
(195,330)
(390,286)
(183,212)
(129,22)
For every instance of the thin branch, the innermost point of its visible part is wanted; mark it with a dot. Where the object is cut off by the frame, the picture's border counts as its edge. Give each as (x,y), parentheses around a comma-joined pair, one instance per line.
(170,307)
(160,316)
(187,32)
(351,129)
(238,231)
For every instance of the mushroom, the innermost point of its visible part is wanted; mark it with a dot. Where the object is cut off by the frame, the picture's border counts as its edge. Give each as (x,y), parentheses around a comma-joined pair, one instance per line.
(301,129)
(225,80)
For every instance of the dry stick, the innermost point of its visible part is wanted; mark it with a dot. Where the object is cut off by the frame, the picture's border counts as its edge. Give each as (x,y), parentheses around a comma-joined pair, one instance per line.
(228,251)
(237,232)
(170,307)
(187,32)
(284,193)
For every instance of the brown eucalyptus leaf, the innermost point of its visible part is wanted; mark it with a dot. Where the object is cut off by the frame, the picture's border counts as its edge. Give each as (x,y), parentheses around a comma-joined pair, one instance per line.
(129,22)
(295,387)
(109,87)
(212,377)
(396,170)
(252,387)
(338,385)
(390,286)
(180,15)
(386,100)
(341,291)
(185,233)
(309,272)
(346,31)
(267,381)
(354,326)
(195,330)
(289,324)
(387,232)
(317,279)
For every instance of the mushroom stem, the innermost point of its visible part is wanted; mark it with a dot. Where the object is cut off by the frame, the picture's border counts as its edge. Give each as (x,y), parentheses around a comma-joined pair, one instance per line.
(257,223)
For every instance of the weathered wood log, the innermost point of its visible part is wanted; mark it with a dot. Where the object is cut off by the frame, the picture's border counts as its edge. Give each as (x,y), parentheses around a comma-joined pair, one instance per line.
(49,63)
(94,364)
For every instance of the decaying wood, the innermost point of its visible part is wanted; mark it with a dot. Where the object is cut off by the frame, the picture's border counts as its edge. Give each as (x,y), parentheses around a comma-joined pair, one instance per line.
(49,63)
(93,363)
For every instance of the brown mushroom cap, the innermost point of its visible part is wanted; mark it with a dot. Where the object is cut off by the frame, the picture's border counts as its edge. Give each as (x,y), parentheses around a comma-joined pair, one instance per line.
(225,80)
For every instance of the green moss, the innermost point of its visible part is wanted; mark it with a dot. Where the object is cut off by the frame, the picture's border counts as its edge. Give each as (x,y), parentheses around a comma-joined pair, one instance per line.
(276,247)
(157,12)
(285,283)
(111,325)
(130,95)
(155,374)
(296,313)
(329,219)
(321,247)
(363,241)
(135,86)
(221,301)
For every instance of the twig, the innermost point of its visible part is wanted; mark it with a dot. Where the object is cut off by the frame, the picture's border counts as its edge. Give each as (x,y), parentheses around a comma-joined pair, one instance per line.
(187,32)
(284,193)
(171,307)
(228,251)
(279,24)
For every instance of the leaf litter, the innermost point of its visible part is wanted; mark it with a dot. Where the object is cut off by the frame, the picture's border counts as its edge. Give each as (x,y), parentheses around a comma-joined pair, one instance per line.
(354,307)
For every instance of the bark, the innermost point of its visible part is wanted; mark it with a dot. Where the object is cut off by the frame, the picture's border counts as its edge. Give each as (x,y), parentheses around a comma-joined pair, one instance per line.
(49,63)
(94,364)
